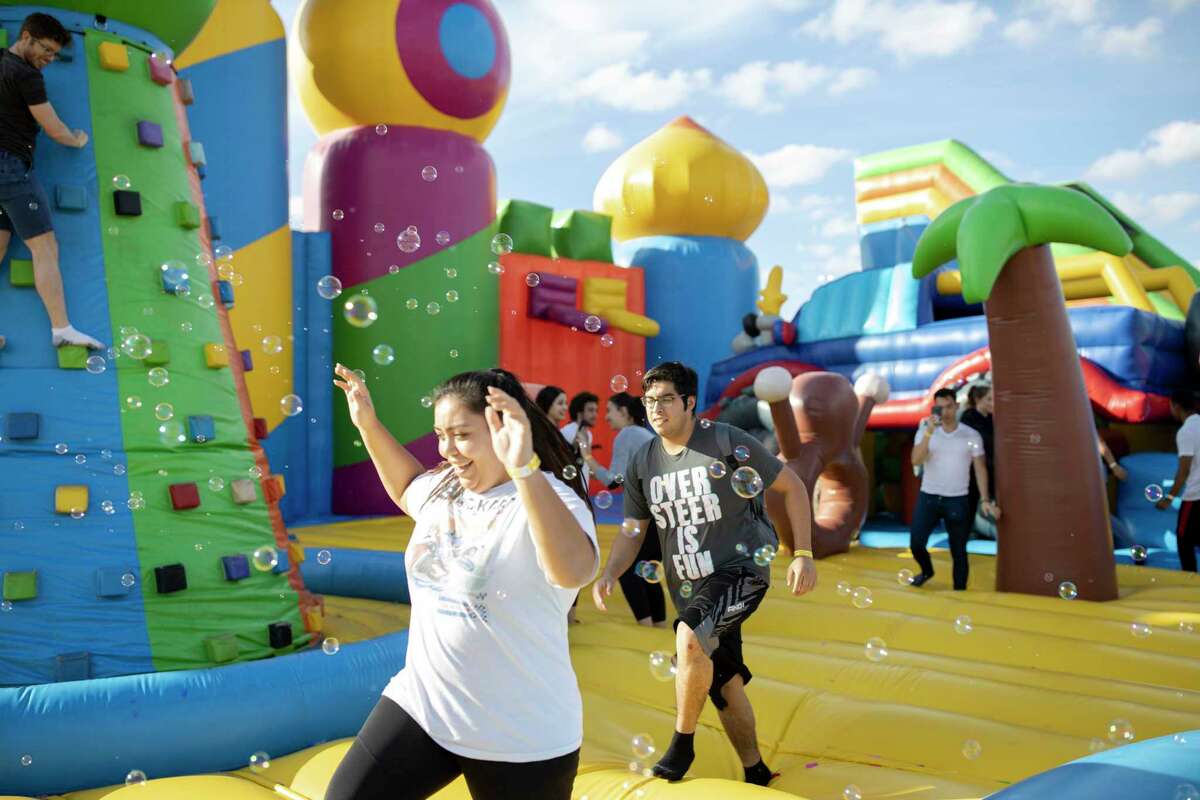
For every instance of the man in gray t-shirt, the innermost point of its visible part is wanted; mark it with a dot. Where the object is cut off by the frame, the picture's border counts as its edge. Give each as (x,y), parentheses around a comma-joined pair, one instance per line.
(702,524)
(683,483)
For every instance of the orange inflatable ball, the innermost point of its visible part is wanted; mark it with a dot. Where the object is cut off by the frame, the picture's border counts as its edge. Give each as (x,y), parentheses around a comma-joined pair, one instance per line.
(437,64)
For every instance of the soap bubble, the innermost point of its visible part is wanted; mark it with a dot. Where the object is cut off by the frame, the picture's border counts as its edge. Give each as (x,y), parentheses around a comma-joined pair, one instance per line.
(764,555)
(1154,493)
(360,310)
(409,240)
(569,472)
(118,469)
(1067,590)
(1120,731)
(426,401)
(164,411)
(393,269)
(158,377)
(451,272)
(1140,630)
(135,777)
(452,296)
(122,182)
(592,323)
(380,227)
(502,244)
(338,214)
(411,303)
(381,129)
(852,792)
(630,528)
(746,482)
(260,761)
(685,589)
(741,453)
(136,345)
(876,649)
(1186,627)
(607,340)
(652,571)
(861,597)
(1138,553)
(266,558)
(324,557)
(216,483)
(128,580)
(496,268)
(61,448)
(329,287)
(383,354)
(962,624)
(96,364)
(453,353)
(602,500)
(904,577)
(971,749)
(1187,791)
(107,507)
(136,501)
(741,548)
(255,471)
(718,470)
(330,646)
(433,308)
(532,279)
(643,746)
(661,667)
(843,589)
(6,605)
(171,433)
(205,300)
(223,253)
(619,383)
(429,174)
(272,345)
(185,327)
(291,405)
(442,238)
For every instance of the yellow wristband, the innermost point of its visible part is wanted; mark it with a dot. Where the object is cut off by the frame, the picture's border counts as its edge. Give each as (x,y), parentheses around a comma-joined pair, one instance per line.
(527,470)
(801,554)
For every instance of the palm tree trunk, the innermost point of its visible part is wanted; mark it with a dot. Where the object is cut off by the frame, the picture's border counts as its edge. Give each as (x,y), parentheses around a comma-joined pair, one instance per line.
(1054,525)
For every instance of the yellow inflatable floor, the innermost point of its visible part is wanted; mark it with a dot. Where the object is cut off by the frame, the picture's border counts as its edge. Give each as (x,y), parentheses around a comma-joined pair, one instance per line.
(948,713)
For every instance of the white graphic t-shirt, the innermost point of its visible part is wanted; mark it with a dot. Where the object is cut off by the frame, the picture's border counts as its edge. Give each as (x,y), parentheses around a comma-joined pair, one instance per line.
(948,470)
(488,674)
(1187,442)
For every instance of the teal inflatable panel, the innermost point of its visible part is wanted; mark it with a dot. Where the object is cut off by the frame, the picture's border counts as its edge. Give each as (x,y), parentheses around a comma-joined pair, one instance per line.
(874,301)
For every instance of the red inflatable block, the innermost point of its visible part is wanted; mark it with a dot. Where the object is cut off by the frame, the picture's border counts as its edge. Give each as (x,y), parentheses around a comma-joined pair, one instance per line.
(184,496)
(260,428)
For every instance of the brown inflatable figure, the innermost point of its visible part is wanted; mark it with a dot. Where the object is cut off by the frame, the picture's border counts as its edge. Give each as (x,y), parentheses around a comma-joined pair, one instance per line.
(819,422)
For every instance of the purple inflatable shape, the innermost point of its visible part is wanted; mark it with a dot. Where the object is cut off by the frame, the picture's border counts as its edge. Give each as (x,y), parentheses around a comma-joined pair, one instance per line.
(357,490)
(380,185)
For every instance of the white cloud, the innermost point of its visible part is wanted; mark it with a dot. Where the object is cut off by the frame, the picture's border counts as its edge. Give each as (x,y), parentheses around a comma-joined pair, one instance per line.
(798,164)
(849,80)
(621,87)
(999,160)
(1174,143)
(1124,40)
(1024,32)
(1180,5)
(600,138)
(1076,12)
(908,30)
(829,261)
(839,226)
(818,206)
(1161,209)
(755,84)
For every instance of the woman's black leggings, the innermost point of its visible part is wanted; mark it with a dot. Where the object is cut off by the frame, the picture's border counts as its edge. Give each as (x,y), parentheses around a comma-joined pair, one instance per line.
(393,758)
(645,599)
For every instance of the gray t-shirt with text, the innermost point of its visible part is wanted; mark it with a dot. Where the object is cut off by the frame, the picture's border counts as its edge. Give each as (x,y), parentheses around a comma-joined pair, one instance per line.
(699,518)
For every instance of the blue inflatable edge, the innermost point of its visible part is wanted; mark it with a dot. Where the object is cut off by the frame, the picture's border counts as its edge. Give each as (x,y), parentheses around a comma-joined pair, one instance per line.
(372,574)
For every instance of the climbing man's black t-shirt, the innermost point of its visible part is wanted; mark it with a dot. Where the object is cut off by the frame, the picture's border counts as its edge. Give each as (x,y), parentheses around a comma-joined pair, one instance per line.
(21,86)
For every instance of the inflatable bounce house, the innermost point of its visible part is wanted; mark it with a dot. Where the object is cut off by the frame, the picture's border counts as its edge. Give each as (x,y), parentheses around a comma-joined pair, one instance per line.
(203,579)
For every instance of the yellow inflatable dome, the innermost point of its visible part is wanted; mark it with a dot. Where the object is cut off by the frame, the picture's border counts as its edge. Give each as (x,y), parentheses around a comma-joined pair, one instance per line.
(431,64)
(682,181)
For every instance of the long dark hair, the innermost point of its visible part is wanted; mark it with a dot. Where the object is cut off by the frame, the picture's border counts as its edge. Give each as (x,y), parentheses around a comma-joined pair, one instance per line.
(632,406)
(546,397)
(977,393)
(470,388)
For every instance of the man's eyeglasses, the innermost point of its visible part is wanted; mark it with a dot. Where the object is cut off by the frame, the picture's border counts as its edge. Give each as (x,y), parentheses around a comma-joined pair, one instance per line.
(663,400)
(49,49)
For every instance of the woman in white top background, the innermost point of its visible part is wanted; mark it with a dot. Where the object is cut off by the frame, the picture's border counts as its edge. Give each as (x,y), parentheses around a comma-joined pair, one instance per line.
(627,416)
(498,553)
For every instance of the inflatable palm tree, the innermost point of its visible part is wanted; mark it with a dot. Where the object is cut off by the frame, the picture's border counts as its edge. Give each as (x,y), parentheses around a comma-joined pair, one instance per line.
(1055,525)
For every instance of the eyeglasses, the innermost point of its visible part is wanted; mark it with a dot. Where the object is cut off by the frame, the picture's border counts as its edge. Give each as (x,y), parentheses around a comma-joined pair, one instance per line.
(663,400)
(49,49)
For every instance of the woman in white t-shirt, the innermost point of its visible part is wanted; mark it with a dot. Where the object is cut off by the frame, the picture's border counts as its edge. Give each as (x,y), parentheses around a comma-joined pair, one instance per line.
(498,553)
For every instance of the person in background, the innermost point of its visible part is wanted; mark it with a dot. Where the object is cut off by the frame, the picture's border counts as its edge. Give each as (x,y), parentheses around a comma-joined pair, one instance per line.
(979,417)
(1187,479)
(948,451)
(583,410)
(1109,459)
(626,415)
(553,403)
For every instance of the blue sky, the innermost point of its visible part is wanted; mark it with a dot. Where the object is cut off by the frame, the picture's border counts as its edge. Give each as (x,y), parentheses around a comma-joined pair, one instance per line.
(1049,90)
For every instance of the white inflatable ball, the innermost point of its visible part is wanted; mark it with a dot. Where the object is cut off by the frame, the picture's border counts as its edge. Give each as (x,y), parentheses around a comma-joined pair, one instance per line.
(773,383)
(872,385)
(742,342)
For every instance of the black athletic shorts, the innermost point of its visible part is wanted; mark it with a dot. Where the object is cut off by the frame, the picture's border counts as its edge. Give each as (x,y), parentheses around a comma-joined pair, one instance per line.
(718,606)
(393,758)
